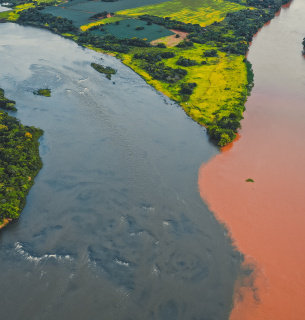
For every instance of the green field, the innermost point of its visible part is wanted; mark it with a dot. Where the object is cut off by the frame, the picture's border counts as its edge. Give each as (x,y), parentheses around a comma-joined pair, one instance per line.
(127,29)
(221,82)
(188,11)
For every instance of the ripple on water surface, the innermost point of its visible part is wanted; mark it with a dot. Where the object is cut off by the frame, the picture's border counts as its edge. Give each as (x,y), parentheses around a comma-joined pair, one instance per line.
(114,227)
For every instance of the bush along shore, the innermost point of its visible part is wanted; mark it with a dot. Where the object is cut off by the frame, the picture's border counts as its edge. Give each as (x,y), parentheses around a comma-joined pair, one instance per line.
(19,164)
(206,73)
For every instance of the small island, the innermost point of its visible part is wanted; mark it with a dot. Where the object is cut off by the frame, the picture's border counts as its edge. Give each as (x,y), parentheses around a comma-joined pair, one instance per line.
(108,71)
(43,92)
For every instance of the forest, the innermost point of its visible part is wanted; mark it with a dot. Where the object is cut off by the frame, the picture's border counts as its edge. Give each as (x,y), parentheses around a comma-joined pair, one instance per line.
(19,163)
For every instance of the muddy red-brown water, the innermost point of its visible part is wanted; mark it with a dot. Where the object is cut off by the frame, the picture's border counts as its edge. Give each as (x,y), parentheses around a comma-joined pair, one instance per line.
(266,218)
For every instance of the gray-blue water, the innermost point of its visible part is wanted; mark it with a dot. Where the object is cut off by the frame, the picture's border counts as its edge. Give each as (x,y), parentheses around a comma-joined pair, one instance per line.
(114,227)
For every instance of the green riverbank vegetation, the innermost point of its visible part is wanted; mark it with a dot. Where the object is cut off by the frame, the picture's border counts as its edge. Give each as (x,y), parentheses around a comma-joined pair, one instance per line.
(5,103)
(205,70)
(19,164)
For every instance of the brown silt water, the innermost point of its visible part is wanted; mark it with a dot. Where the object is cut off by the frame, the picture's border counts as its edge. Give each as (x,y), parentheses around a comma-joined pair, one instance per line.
(266,217)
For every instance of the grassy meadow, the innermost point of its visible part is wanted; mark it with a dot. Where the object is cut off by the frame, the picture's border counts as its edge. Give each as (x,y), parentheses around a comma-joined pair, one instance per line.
(221,82)
(188,11)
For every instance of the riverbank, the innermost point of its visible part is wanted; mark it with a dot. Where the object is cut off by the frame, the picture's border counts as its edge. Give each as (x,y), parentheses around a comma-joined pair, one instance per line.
(214,80)
(19,162)
(265,218)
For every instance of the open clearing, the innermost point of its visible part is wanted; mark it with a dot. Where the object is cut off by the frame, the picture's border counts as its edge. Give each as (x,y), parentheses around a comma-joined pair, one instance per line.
(188,11)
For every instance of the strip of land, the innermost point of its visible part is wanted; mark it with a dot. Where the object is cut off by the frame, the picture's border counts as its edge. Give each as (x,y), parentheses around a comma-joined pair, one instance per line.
(19,162)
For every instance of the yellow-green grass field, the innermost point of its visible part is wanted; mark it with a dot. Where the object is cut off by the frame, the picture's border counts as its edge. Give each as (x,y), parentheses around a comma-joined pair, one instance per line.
(104,21)
(188,11)
(221,83)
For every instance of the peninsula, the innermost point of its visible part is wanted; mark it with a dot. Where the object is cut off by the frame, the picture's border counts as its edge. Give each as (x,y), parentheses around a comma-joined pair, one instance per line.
(192,51)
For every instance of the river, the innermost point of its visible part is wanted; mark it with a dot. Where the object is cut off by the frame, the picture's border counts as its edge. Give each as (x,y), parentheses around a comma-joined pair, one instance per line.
(266,218)
(114,227)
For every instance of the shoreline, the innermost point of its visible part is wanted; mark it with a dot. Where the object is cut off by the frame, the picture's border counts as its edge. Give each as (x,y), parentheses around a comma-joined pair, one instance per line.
(220,111)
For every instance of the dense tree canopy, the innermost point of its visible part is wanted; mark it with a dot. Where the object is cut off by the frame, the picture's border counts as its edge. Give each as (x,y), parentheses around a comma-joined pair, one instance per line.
(19,164)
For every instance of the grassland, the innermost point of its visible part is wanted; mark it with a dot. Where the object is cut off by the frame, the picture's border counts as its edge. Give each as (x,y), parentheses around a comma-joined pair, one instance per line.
(221,82)
(188,11)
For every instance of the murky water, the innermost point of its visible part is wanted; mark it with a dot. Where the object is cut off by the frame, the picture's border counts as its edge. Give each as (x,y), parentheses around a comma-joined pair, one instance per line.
(267,217)
(114,227)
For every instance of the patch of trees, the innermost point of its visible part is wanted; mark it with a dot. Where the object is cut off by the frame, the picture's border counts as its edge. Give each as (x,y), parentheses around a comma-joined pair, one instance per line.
(57,24)
(210,53)
(5,103)
(185,44)
(110,42)
(19,164)
(185,62)
(164,73)
(188,87)
(108,71)
(224,129)
(100,15)
(153,57)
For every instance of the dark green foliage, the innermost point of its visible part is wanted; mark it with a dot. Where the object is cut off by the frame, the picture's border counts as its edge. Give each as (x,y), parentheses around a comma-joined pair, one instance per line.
(110,42)
(167,54)
(98,16)
(210,53)
(224,129)
(19,164)
(139,28)
(108,71)
(36,18)
(161,45)
(153,57)
(249,180)
(186,62)
(167,74)
(185,44)
(250,76)
(6,103)
(187,88)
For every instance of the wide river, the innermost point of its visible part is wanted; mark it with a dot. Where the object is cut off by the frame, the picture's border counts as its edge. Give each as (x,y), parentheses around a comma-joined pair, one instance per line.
(266,218)
(114,227)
